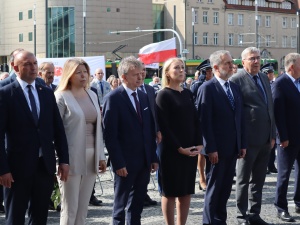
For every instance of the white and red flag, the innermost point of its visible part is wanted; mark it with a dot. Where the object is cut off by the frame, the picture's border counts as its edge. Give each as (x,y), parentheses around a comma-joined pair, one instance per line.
(158,52)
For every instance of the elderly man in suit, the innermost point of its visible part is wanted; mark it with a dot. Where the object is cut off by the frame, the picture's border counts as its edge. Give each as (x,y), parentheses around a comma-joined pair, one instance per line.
(286,97)
(260,131)
(46,72)
(129,133)
(34,130)
(102,86)
(220,110)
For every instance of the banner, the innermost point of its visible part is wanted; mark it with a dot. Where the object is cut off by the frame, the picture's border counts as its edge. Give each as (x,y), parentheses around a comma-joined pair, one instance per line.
(94,62)
(158,52)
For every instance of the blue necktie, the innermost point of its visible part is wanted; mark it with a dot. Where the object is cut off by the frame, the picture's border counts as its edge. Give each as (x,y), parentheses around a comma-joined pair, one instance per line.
(142,88)
(255,77)
(297,83)
(229,95)
(101,87)
(32,104)
(138,107)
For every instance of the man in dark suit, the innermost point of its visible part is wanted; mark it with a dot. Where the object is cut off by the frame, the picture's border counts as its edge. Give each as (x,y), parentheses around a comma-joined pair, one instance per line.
(129,133)
(286,97)
(220,111)
(34,130)
(46,72)
(151,98)
(260,131)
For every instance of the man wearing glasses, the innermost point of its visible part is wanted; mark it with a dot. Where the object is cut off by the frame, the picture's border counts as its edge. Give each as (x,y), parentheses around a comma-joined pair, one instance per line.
(260,135)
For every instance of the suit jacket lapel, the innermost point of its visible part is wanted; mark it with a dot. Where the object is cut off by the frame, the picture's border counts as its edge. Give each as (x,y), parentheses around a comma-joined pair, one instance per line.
(127,101)
(222,92)
(291,84)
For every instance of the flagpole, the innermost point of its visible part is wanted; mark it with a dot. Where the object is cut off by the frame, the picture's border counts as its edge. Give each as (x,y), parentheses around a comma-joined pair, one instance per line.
(154,30)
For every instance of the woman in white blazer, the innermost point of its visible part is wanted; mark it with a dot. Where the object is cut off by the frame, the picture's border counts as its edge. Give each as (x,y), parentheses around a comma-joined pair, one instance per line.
(81,116)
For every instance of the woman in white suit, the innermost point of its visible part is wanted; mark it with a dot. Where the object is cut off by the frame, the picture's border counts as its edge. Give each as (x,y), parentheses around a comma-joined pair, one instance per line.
(81,116)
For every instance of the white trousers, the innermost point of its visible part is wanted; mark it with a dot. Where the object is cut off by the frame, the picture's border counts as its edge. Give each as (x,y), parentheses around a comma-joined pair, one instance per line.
(75,195)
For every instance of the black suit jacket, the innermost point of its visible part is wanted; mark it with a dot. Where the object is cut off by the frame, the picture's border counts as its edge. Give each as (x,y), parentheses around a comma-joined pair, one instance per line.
(13,77)
(24,138)
(287,109)
(151,98)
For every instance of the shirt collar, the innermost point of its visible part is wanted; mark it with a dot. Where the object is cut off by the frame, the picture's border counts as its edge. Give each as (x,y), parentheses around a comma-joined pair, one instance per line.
(24,84)
(290,76)
(128,90)
(221,81)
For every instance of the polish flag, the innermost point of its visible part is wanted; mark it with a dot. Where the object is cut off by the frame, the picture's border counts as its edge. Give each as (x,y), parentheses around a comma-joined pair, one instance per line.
(158,52)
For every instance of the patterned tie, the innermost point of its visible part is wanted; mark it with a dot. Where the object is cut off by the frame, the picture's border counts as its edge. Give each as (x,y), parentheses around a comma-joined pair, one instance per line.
(32,104)
(138,107)
(255,77)
(229,95)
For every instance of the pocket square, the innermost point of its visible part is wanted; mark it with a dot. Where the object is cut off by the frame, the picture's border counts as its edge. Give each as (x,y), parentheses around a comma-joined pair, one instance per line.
(145,108)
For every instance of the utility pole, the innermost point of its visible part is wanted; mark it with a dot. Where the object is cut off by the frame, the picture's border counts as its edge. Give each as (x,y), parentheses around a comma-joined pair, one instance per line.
(34,30)
(84,28)
(256,24)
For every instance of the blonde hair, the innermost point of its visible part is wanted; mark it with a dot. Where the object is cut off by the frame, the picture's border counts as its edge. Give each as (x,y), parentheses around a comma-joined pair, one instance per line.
(165,80)
(69,69)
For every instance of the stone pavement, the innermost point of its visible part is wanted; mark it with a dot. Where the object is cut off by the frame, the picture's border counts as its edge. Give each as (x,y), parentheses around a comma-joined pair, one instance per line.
(153,215)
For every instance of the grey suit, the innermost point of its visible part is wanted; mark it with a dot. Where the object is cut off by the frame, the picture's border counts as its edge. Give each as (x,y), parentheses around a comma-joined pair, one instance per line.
(260,130)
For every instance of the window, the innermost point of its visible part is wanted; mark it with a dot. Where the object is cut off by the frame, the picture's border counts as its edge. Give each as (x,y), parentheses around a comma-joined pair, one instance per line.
(216,17)
(20,15)
(230,39)
(232,1)
(293,42)
(20,37)
(259,41)
(216,38)
(293,23)
(240,19)
(230,18)
(240,39)
(200,1)
(268,21)
(284,22)
(286,5)
(284,41)
(118,10)
(247,2)
(273,5)
(196,38)
(261,3)
(205,38)
(259,20)
(205,17)
(30,36)
(30,14)
(195,16)
(209,1)
(268,40)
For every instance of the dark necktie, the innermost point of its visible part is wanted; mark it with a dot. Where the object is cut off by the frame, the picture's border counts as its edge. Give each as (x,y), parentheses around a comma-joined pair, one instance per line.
(138,107)
(142,88)
(101,87)
(255,77)
(297,83)
(229,95)
(32,104)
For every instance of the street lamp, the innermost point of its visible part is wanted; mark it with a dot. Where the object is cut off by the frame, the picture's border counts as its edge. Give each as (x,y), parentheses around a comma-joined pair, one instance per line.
(298,29)
(193,25)
(34,30)
(84,27)
(256,24)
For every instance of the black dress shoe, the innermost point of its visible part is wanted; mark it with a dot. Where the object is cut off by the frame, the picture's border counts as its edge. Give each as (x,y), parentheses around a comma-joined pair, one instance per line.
(297,209)
(273,170)
(268,171)
(285,216)
(95,202)
(148,201)
(2,209)
(257,221)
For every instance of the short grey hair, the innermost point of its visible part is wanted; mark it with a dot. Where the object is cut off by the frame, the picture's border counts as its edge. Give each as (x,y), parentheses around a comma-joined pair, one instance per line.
(290,59)
(215,58)
(128,63)
(249,50)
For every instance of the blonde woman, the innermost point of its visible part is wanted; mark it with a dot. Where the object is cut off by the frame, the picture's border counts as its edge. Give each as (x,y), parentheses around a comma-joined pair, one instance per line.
(81,116)
(181,143)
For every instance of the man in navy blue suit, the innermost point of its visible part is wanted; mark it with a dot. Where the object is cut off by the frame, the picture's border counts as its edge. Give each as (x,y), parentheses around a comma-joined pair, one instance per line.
(34,131)
(286,98)
(129,133)
(219,104)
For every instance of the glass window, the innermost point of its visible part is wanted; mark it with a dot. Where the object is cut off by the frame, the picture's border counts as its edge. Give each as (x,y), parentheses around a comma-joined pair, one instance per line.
(293,23)
(216,17)
(216,38)
(195,38)
(30,36)
(230,39)
(20,15)
(230,18)
(20,37)
(259,20)
(268,21)
(205,38)
(261,3)
(30,14)
(205,17)
(293,42)
(284,22)
(268,40)
(232,1)
(286,5)
(240,39)
(240,19)
(195,16)
(284,41)
(210,1)
(246,2)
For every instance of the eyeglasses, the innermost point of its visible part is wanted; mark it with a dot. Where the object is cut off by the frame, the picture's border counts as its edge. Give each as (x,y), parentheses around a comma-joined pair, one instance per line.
(252,59)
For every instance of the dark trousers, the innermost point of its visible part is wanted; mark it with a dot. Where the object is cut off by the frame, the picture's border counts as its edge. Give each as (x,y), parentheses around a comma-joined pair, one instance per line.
(32,193)
(130,192)
(218,191)
(1,195)
(272,158)
(285,160)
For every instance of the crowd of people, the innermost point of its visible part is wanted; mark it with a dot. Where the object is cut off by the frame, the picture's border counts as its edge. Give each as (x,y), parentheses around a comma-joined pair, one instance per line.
(226,123)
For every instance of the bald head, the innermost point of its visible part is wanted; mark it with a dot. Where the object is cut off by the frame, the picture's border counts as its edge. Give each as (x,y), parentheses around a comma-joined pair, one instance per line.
(25,65)
(99,74)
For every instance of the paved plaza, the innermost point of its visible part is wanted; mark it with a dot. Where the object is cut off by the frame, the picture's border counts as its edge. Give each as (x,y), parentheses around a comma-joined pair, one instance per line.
(153,215)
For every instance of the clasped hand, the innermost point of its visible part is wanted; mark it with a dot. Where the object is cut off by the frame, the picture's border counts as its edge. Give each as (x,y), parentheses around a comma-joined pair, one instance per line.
(191,151)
